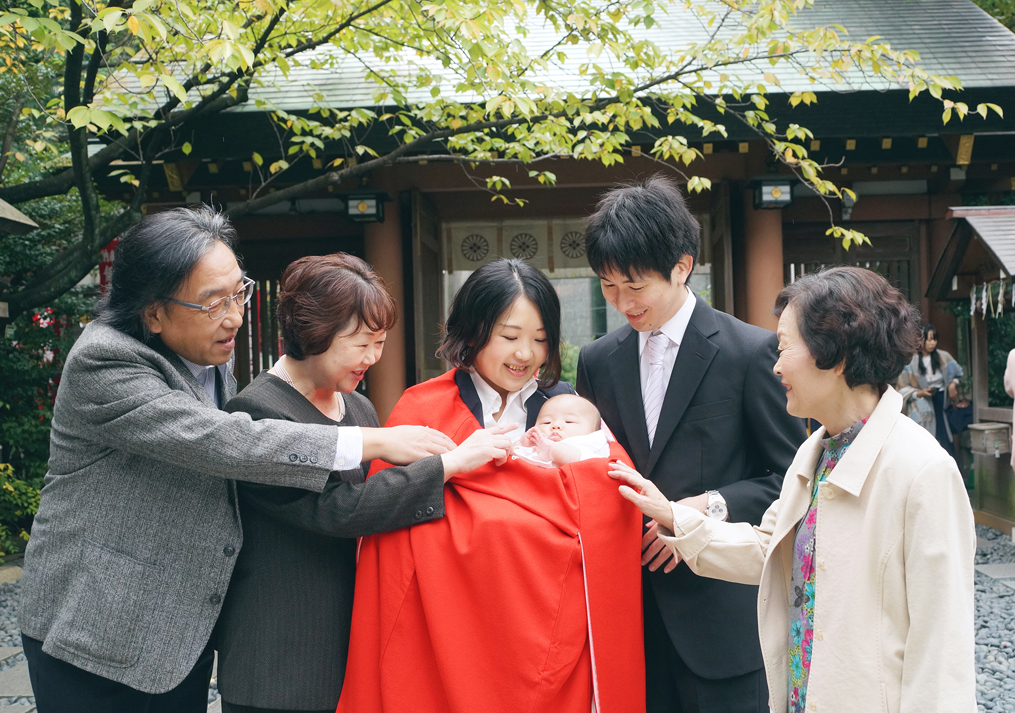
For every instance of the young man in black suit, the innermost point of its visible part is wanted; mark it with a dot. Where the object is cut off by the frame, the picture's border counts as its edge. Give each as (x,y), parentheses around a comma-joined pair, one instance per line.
(689,392)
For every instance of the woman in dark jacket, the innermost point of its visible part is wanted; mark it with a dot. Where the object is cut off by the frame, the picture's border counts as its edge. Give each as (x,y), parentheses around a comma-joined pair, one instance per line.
(283,634)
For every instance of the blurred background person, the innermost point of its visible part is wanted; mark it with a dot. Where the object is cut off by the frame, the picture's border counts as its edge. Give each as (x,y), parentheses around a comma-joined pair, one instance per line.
(930,384)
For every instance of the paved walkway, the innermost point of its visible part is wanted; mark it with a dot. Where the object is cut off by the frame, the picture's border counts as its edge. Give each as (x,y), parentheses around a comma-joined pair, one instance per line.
(994,690)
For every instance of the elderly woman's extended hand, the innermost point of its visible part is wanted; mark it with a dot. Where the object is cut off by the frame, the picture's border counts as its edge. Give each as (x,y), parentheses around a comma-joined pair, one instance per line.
(643,493)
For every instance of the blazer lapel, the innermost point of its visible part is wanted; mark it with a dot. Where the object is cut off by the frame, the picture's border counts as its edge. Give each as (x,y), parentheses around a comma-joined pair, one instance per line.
(693,359)
(626,372)
(532,406)
(173,358)
(470,397)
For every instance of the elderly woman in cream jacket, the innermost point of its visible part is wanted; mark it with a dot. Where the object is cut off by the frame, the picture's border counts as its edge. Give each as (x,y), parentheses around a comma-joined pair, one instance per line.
(865,562)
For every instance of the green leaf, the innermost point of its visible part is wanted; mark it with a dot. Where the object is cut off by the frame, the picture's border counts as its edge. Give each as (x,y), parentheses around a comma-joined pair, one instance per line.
(174,86)
(79,116)
(186,148)
(257,158)
(110,16)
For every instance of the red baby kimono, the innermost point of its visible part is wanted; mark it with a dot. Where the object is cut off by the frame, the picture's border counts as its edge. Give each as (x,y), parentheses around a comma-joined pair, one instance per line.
(526,596)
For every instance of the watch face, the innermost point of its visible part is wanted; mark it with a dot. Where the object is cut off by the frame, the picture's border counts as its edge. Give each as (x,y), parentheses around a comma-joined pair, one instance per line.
(717,510)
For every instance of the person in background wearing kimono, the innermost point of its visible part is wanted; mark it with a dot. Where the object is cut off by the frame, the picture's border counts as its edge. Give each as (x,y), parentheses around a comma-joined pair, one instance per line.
(930,374)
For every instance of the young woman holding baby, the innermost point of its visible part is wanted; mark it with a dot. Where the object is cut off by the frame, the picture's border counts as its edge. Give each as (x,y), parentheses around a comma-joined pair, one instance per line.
(534,572)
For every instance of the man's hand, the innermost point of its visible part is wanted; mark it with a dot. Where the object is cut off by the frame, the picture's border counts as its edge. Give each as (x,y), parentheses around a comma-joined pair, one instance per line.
(483,446)
(698,502)
(644,493)
(402,445)
(655,553)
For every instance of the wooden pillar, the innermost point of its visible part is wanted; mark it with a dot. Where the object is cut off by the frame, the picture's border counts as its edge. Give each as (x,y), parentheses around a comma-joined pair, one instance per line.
(762,262)
(383,248)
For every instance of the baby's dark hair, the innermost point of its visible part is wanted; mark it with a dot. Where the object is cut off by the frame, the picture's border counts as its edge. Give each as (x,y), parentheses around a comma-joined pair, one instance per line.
(590,408)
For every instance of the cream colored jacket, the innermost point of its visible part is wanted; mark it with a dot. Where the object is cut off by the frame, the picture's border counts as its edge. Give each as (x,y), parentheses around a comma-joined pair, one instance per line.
(893,618)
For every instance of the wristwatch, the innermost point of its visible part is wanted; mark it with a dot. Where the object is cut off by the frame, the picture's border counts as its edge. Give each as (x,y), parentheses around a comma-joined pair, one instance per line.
(716,507)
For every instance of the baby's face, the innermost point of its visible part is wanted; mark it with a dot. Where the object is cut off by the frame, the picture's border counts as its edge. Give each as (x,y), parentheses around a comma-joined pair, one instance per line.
(563,418)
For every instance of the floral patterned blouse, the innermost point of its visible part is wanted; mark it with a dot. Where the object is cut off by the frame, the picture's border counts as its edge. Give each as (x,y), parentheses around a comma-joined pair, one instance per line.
(801,608)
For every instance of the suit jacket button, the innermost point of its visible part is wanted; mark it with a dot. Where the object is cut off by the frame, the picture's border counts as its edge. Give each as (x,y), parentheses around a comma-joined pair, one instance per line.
(429,510)
(313,459)
(303,459)
(419,514)
(215,599)
(229,551)
(293,457)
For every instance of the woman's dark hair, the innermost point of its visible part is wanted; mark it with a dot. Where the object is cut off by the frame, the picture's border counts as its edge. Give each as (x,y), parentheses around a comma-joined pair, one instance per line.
(153,259)
(642,227)
(322,296)
(481,301)
(935,358)
(852,316)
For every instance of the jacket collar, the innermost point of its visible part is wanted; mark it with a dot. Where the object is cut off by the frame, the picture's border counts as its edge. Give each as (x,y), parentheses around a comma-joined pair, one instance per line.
(851,472)
(534,402)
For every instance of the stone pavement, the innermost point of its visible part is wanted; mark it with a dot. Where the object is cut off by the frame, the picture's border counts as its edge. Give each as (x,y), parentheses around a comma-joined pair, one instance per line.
(16,694)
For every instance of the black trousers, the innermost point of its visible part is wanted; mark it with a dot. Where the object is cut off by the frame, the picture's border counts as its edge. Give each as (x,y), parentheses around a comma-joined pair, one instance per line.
(233,708)
(63,688)
(671,687)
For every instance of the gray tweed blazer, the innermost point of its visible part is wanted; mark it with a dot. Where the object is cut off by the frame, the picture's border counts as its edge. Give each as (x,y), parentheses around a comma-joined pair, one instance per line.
(283,637)
(138,528)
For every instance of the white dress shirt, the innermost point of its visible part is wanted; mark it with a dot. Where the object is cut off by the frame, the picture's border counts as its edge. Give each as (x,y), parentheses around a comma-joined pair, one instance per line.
(349,452)
(205,376)
(674,329)
(514,409)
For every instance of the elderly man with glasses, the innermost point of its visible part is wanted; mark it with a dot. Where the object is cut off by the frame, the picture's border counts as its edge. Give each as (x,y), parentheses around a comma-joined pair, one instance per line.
(138,527)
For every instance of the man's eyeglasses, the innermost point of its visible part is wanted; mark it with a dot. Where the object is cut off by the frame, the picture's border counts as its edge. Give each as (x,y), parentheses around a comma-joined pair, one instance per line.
(219,307)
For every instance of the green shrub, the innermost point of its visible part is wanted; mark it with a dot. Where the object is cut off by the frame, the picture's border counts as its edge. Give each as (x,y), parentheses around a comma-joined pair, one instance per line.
(569,363)
(19,501)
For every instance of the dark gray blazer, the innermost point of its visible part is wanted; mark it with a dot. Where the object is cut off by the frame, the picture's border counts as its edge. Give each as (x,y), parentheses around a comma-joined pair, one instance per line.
(138,528)
(283,636)
(723,426)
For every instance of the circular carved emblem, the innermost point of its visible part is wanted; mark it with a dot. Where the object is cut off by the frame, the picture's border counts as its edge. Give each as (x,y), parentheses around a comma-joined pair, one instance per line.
(573,244)
(475,247)
(524,246)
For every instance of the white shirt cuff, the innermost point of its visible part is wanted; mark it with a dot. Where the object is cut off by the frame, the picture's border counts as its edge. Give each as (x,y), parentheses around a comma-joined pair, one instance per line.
(349,452)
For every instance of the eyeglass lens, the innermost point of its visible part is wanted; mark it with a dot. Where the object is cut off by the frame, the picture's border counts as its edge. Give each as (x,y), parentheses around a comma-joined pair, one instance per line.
(219,307)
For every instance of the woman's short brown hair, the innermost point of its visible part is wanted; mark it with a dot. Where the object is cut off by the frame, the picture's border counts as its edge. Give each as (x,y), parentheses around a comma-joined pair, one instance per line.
(852,316)
(324,295)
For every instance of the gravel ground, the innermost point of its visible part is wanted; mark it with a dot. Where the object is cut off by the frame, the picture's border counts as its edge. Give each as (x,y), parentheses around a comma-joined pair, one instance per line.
(10,635)
(995,629)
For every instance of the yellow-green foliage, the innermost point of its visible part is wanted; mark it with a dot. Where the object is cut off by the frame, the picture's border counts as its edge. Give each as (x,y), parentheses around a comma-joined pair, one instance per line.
(19,501)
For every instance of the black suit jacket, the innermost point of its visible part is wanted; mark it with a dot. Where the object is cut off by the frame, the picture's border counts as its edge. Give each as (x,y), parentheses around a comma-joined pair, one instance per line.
(723,426)
(283,634)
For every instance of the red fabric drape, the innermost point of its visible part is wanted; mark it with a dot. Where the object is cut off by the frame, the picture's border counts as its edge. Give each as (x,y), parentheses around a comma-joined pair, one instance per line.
(490,608)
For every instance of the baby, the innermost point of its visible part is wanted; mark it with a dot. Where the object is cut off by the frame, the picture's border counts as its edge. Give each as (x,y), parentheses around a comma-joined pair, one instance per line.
(568,429)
